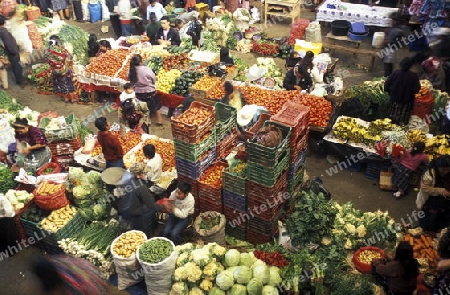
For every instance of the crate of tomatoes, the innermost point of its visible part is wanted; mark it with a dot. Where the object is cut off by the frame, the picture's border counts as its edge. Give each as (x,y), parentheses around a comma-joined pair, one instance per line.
(210,182)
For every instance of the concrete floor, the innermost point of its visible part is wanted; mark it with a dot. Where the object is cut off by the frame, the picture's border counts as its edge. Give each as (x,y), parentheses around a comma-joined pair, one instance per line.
(15,276)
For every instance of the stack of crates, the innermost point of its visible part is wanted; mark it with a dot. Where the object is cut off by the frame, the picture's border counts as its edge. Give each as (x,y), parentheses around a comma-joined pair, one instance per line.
(209,197)
(297,117)
(195,148)
(235,204)
(63,150)
(266,185)
(226,129)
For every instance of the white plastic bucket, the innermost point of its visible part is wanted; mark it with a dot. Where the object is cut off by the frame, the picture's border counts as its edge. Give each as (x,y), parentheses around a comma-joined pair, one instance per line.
(378,39)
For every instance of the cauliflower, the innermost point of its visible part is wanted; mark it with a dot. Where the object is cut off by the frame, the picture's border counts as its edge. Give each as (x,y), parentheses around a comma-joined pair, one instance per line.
(348,244)
(193,272)
(219,251)
(361,230)
(350,228)
(180,274)
(182,259)
(195,291)
(184,248)
(206,285)
(326,241)
(179,288)
(201,256)
(211,268)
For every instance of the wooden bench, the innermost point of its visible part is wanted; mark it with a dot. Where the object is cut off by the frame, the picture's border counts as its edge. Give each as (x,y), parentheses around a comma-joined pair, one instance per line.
(355,50)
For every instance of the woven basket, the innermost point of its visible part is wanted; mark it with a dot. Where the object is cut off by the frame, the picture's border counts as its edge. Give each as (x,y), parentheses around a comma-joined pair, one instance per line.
(52,202)
(33,13)
(386,181)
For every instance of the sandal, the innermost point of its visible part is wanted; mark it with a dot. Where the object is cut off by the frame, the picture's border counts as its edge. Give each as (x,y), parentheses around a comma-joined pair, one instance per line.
(398,196)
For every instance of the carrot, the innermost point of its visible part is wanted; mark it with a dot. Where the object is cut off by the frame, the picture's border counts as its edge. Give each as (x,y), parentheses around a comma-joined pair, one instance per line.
(417,247)
(425,241)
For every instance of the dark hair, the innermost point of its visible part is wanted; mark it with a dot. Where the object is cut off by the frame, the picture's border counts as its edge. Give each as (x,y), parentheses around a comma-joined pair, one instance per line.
(404,254)
(224,53)
(307,60)
(178,21)
(149,151)
(152,14)
(21,121)
(419,57)
(47,273)
(301,69)
(433,168)
(101,123)
(128,108)
(127,86)
(92,39)
(54,40)
(2,20)
(165,18)
(406,64)
(92,45)
(184,187)
(228,87)
(104,43)
(152,1)
(417,148)
(135,61)
(444,245)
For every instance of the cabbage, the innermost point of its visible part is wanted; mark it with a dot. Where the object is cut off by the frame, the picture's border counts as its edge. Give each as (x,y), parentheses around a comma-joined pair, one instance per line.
(258,262)
(216,291)
(80,192)
(242,274)
(262,273)
(274,277)
(232,258)
(254,287)
(100,211)
(247,259)
(87,213)
(269,290)
(225,280)
(238,290)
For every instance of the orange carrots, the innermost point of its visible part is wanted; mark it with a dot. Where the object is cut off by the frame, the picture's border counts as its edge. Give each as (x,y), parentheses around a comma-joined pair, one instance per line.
(423,248)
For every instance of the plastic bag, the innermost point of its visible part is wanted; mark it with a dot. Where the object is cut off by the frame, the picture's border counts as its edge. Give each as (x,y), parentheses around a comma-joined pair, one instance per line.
(105,11)
(127,268)
(89,144)
(158,276)
(20,32)
(95,11)
(6,209)
(85,9)
(317,186)
(6,135)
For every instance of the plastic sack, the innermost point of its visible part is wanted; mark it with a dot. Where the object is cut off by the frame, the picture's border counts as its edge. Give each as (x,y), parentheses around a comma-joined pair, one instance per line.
(128,269)
(95,11)
(105,11)
(6,135)
(416,123)
(85,10)
(158,276)
(316,185)
(20,32)
(89,144)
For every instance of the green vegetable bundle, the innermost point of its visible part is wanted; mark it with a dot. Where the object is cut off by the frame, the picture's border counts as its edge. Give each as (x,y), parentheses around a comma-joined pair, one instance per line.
(98,236)
(9,103)
(6,178)
(78,38)
(155,250)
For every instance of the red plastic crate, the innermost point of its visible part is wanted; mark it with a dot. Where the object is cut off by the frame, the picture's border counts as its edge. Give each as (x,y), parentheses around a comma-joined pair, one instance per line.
(250,133)
(65,147)
(261,193)
(264,227)
(236,217)
(208,205)
(300,145)
(295,116)
(226,145)
(192,182)
(65,161)
(267,210)
(208,192)
(257,238)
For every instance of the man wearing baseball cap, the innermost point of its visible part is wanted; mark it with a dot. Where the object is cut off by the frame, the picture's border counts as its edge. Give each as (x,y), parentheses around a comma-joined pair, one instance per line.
(134,201)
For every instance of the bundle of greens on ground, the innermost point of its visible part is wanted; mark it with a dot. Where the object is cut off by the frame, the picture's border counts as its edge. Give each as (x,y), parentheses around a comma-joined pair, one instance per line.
(6,179)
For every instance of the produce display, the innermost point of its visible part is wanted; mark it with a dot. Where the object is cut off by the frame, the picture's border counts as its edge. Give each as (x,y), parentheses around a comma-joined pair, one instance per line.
(244,46)
(128,243)
(108,63)
(209,221)
(271,100)
(194,116)
(271,258)
(423,247)
(155,251)
(47,188)
(207,82)
(162,147)
(155,63)
(366,256)
(7,179)
(35,214)
(437,145)
(165,80)
(18,199)
(265,48)
(58,218)
(320,109)
(74,39)
(128,141)
(175,61)
(186,80)
(212,176)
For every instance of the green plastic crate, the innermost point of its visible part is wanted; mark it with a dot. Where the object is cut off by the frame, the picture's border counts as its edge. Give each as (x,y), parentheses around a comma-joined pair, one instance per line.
(296,181)
(193,152)
(268,156)
(70,132)
(226,119)
(263,175)
(234,183)
(74,225)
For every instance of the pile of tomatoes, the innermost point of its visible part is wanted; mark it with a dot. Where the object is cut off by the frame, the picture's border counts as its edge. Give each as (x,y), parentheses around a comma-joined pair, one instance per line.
(213,176)
(271,258)
(194,116)
(108,63)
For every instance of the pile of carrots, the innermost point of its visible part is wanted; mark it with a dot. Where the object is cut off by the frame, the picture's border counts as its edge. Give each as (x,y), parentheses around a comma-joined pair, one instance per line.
(423,248)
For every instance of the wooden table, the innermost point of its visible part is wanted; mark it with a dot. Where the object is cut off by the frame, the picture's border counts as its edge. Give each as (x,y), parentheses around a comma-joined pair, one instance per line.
(293,8)
(344,39)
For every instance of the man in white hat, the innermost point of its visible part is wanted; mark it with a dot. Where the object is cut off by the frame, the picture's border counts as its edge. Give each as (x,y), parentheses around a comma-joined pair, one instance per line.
(247,116)
(135,202)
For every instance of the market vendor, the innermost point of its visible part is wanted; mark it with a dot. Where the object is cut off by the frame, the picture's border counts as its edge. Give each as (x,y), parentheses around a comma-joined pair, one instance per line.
(154,163)
(225,56)
(181,214)
(247,117)
(111,147)
(152,28)
(195,30)
(233,97)
(399,276)
(157,8)
(434,194)
(37,147)
(135,203)
(166,35)
(433,71)
(298,79)
(443,267)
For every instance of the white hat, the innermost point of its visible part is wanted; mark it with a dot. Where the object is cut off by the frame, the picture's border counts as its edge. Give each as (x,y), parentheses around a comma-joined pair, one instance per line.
(246,114)
(115,176)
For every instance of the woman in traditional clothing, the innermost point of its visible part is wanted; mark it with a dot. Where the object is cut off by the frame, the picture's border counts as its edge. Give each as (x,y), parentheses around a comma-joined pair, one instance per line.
(61,62)
(402,85)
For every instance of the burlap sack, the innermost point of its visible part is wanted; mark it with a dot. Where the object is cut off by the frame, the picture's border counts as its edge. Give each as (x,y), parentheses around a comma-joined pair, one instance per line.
(215,234)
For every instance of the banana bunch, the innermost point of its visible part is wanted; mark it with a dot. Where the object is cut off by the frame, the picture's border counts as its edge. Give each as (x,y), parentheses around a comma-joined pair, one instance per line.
(437,145)
(378,126)
(416,136)
(165,80)
(345,128)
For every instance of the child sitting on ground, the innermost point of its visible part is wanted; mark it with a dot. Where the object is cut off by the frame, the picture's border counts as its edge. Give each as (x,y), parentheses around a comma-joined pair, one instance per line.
(132,112)
(181,216)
